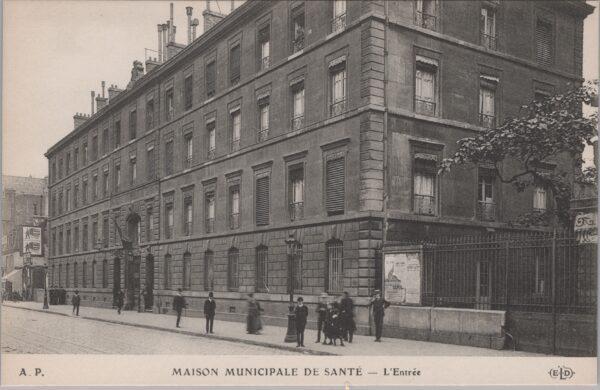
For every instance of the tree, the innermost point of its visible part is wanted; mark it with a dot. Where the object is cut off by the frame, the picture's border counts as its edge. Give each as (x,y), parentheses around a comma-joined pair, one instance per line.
(552,129)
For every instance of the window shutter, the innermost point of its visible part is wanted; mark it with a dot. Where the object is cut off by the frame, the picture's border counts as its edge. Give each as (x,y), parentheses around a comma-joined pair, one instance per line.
(169,158)
(210,78)
(262,200)
(543,42)
(234,64)
(335,186)
(188,92)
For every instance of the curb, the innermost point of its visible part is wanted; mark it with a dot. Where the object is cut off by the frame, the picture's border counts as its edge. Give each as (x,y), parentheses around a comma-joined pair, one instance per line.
(188,333)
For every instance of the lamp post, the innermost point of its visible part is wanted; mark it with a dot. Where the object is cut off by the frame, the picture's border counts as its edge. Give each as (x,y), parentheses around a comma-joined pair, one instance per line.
(46,307)
(291,335)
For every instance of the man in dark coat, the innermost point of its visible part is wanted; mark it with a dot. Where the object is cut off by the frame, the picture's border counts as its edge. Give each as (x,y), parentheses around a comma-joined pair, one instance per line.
(178,305)
(76,300)
(321,316)
(379,305)
(120,300)
(347,317)
(301,312)
(210,307)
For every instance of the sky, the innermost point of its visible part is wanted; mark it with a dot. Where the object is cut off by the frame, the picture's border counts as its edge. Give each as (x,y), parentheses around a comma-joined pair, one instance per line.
(56,52)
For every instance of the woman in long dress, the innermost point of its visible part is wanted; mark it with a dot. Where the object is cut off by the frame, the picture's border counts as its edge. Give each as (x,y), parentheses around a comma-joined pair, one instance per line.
(253,322)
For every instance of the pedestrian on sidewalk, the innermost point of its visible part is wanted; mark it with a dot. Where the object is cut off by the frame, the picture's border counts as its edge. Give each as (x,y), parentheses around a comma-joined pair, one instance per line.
(120,301)
(321,316)
(253,322)
(347,317)
(179,304)
(301,312)
(76,300)
(210,306)
(379,305)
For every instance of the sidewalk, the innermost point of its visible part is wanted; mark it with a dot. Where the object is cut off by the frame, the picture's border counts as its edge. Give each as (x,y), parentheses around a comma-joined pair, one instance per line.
(272,336)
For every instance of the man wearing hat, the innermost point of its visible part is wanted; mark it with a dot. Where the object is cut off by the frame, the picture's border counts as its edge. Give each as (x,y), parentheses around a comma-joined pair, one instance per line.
(178,305)
(301,312)
(76,300)
(379,305)
(321,315)
(210,307)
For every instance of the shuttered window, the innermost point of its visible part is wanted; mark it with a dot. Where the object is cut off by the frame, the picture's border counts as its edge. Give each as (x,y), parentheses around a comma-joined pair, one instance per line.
(84,275)
(234,64)
(104,273)
(335,186)
(187,271)
(169,157)
(188,92)
(132,124)
(210,79)
(262,200)
(262,268)
(232,269)
(544,42)
(150,162)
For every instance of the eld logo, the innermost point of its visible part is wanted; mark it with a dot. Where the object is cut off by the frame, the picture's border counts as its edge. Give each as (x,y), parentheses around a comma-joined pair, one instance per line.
(561,372)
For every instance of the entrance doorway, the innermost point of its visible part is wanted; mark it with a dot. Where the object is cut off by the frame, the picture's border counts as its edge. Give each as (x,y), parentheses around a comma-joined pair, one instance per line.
(149,298)
(116,279)
(132,283)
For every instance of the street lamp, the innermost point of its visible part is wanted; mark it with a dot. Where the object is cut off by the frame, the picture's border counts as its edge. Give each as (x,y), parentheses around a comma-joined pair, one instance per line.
(46,307)
(291,335)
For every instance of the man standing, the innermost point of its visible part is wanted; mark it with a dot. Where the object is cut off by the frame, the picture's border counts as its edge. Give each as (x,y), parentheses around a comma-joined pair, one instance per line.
(321,316)
(210,307)
(347,314)
(179,304)
(301,312)
(379,305)
(76,300)
(120,300)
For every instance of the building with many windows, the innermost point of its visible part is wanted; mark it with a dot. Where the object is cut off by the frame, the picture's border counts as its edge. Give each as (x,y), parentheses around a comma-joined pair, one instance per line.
(292,140)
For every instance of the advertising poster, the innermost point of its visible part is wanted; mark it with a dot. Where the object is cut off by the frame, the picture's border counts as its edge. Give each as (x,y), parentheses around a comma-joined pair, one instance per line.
(32,240)
(402,278)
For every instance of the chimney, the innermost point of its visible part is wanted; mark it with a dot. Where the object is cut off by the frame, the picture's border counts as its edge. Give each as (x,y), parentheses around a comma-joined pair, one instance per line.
(79,119)
(151,63)
(103,84)
(188,12)
(171,24)
(164,41)
(113,91)
(195,24)
(173,48)
(160,45)
(101,102)
(211,18)
(232,5)
(93,95)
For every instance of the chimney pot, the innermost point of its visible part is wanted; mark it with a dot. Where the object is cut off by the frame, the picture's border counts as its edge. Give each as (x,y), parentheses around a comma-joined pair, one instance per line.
(93,96)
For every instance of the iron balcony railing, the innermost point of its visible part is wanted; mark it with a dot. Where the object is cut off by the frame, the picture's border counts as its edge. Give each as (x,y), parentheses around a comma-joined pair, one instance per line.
(263,135)
(338,23)
(169,232)
(426,20)
(265,62)
(210,225)
(425,107)
(488,41)
(296,210)
(234,221)
(210,155)
(188,162)
(187,227)
(486,211)
(235,145)
(338,107)
(298,122)
(298,43)
(488,121)
(425,204)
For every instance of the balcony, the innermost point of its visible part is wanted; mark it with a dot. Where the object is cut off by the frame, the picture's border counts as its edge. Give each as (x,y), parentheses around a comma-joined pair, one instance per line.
(210,225)
(425,204)
(169,232)
(425,20)
(235,145)
(296,211)
(210,155)
(265,63)
(425,107)
(486,211)
(298,122)
(234,221)
(338,23)
(187,163)
(488,121)
(298,43)
(263,135)
(187,228)
(488,41)
(338,108)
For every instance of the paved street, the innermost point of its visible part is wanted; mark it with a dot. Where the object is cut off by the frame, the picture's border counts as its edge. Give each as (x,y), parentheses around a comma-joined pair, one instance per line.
(25,331)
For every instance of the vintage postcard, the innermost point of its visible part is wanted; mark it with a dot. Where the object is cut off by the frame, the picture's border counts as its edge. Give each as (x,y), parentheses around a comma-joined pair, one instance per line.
(299,193)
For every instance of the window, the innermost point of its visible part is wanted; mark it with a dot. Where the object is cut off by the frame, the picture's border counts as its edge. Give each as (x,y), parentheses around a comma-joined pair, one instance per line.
(262,198)
(75,158)
(168,272)
(83,275)
(488,27)
(234,64)
(335,266)
(236,129)
(84,156)
(52,280)
(425,184)
(104,273)
(210,79)
(264,44)
(169,157)
(84,191)
(68,199)
(426,14)
(169,104)
(486,208)
(105,142)
(539,199)
(425,86)
(85,237)
(75,281)
(335,185)
(149,114)
(67,276)
(209,273)
(263,119)
(105,227)
(487,101)
(188,92)
(76,238)
(60,278)
(133,169)
(297,264)
(149,224)
(210,211)
(339,16)
(298,106)
(93,274)
(68,243)
(188,214)
(117,177)
(169,220)
(94,232)
(297,29)
(234,206)
(232,269)
(105,186)
(212,140)
(296,192)
(187,271)
(544,42)
(68,163)
(54,177)
(95,187)
(262,268)
(337,74)
(94,148)
(189,151)
(60,168)
(150,162)
(60,202)
(117,134)
(132,124)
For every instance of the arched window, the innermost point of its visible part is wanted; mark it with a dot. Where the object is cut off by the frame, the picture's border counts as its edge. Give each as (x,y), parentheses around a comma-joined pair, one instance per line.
(297,258)
(75,281)
(67,284)
(209,272)
(93,274)
(187,271)
(84,275)
(104,273)
(167,271)
(262,274)
(232,269)
(335,266)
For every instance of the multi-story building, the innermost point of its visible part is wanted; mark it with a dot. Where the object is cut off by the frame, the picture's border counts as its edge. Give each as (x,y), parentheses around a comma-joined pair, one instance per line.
(286,145)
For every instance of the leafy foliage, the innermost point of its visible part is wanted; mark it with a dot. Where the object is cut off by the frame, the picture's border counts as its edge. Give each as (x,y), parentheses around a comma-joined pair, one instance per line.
(545,130)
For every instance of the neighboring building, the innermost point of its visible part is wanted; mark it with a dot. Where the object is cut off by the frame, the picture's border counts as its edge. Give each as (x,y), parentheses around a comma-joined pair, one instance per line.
(317,123)
(24,206)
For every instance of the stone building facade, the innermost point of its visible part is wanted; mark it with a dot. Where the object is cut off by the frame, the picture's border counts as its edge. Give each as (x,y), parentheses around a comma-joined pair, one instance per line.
(316,123)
